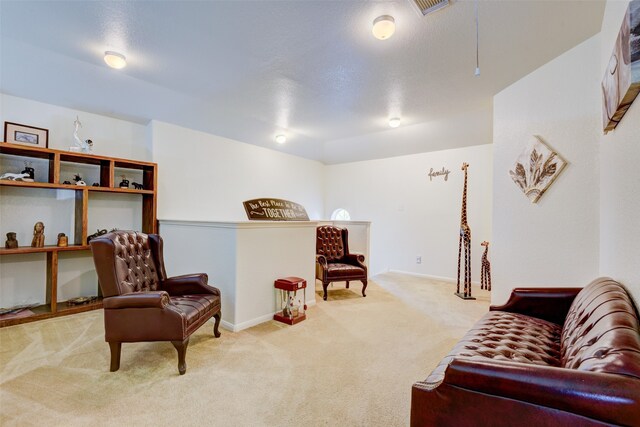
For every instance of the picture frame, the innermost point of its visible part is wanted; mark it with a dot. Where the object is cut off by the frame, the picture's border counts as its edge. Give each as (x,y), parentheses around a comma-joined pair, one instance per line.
(16,133)
(621,82)
(536,168)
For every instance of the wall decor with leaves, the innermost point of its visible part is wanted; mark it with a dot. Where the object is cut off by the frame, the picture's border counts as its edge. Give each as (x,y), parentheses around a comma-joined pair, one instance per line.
(536,168)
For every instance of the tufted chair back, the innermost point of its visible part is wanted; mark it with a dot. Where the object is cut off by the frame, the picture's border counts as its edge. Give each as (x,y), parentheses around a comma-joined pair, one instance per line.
(587,343)
(331,242)
(128,261)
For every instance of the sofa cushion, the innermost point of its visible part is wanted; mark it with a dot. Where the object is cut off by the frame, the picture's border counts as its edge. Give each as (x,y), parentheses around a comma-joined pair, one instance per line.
(505,336)
(337,269)
(601,332)
(195,307)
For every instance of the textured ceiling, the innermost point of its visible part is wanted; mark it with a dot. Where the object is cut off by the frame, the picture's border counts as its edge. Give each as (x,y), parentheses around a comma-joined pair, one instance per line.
(248,70)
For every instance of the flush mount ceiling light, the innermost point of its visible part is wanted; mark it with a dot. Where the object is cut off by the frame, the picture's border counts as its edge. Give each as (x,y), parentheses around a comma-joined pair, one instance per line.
(383,27)
(281,139)
(395,122)
(115,60)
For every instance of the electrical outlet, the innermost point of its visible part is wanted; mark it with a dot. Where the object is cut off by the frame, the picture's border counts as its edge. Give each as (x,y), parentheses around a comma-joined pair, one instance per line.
(418,259)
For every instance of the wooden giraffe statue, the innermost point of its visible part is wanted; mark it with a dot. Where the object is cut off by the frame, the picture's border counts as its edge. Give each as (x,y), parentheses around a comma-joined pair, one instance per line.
(465,239)
(485,273)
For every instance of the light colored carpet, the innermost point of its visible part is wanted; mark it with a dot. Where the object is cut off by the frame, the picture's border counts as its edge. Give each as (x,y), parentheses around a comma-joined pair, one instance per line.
(351,363)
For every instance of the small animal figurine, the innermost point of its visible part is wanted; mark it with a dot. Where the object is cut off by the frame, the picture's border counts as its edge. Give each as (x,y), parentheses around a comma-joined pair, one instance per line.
(38,235)
(12,242)
(137,186)
(78,179)
(96,184)
(124,183)
(63,240)
(67,182)
(16,177)
(485,272)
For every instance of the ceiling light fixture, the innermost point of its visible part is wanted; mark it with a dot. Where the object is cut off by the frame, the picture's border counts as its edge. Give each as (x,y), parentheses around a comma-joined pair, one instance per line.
(395,122)
(383,27)
(115,60)
(281,139)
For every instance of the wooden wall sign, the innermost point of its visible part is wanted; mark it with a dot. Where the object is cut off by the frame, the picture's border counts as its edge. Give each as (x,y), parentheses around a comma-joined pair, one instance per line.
(274,210)
(443,172)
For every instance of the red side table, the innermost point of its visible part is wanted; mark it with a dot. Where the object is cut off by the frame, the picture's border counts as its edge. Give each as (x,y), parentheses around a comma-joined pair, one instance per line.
(292,309)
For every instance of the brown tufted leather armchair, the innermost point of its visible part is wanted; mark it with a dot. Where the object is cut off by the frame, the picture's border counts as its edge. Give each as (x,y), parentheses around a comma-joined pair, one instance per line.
(141,303)
(334,263)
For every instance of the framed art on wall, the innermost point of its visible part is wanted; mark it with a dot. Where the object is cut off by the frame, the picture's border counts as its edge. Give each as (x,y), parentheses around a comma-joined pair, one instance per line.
(621,82)
(16,133)
(536,168)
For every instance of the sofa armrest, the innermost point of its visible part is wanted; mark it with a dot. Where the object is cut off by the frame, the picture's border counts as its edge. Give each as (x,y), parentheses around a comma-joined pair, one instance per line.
(355,259)
(607,397)
(551,304)
(322,260)
(151,299)
(188,284)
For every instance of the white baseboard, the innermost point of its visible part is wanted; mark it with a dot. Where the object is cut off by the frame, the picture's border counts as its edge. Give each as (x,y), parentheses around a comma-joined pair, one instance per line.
(430,276)
(237,327)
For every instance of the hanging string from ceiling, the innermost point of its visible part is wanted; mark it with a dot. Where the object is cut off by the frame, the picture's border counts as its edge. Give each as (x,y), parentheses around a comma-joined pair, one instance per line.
(477,73)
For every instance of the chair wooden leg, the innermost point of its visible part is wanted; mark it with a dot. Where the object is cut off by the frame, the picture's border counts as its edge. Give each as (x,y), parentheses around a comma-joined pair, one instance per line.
(347,284)
(325,285)
(181,347)
(364,286)
(216,332)
(115,355)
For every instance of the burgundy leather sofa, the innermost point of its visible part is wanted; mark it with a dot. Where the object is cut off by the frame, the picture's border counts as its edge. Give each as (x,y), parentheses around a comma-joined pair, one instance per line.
(141,303)
(548,357)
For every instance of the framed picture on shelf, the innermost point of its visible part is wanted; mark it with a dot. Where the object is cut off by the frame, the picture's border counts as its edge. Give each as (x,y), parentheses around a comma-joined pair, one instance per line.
(16,133)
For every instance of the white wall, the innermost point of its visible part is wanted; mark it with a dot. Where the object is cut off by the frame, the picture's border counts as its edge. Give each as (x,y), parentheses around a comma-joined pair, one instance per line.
(111,137)
(411,215)
(554,242)
(206,177)
(22,277)
(619,177)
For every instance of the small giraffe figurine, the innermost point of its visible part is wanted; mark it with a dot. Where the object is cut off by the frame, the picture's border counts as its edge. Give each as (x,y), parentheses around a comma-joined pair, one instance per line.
(485,273)
(465,238)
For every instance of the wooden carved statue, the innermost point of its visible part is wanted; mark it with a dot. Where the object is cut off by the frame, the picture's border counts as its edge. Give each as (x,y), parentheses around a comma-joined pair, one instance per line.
(38,235)
(485,273)
(63,240)
(12,242)
(465,240)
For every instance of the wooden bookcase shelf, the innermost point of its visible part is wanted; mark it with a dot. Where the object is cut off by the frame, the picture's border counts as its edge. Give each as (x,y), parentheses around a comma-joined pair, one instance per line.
(107,165)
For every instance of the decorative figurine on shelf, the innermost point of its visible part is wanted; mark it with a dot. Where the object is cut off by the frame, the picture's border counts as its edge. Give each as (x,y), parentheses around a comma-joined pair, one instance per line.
(137,186)
(16,177)
(485,272)
(67,183)
(38,235)
(78,179)
(63,240)
(12,242)
(97,234)
(96,184)
(29,170)
(80,146)
(465,240)
(124,183)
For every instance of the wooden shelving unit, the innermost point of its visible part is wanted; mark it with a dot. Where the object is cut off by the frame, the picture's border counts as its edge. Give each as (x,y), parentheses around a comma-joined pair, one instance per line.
(53,307)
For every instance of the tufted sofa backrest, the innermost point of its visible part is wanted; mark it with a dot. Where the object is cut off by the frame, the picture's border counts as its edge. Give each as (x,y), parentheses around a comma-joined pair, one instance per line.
(126,263)
(330,242)
(601,332)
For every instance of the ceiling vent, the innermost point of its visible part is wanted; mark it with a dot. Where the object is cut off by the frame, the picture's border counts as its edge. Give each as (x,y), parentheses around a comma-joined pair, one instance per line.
(427,6)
